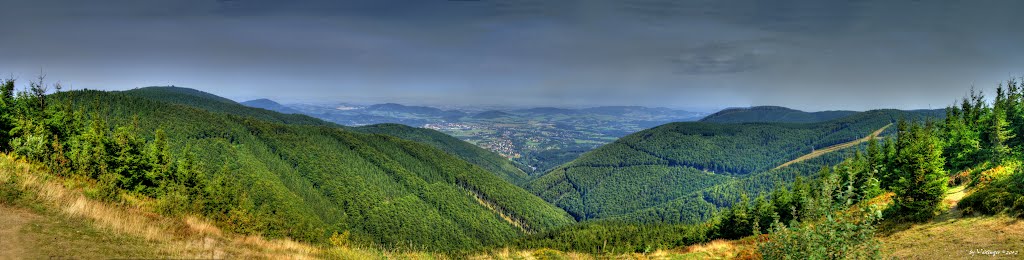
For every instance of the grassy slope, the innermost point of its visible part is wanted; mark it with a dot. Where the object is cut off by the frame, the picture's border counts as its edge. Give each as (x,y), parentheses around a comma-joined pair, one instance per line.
(55,218)
(307,172)
(953,234)
(32,235)
(949,235)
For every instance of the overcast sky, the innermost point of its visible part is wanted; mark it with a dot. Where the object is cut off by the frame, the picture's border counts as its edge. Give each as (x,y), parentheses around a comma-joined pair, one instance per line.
(811,55)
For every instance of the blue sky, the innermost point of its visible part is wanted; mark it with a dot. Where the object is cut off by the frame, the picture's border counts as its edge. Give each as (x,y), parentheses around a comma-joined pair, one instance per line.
(808,54)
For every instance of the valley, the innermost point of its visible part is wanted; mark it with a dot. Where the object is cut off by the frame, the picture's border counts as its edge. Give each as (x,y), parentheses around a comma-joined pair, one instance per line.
(511,130)
(539,139)
(391,186)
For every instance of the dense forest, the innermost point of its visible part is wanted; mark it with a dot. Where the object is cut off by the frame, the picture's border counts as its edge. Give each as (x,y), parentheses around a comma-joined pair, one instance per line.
(833,211)
(254,171)
(259,172)
(773,114)
(659,167)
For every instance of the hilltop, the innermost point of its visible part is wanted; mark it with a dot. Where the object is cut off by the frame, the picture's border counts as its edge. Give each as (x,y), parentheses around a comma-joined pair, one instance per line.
(768,114)
(270,105)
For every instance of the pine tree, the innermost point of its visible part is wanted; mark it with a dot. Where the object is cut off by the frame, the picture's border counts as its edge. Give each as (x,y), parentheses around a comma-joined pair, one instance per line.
(6,113)
(1015,113)
(922,178)
(160,161)
(962,143)
(887,172)
(998,134)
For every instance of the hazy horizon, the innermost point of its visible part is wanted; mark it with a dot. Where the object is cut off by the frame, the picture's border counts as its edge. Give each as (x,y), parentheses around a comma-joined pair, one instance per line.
(806,55)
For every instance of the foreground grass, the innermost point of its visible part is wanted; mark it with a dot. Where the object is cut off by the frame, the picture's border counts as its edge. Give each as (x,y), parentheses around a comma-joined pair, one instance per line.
(958,238)
(57,219)
(30,235)
(952,235)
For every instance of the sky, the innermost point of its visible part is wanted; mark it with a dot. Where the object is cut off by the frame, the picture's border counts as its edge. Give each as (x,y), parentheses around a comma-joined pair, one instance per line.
(700,54)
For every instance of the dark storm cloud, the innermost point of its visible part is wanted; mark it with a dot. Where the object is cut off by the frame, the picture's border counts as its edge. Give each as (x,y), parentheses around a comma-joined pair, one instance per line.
(907,54)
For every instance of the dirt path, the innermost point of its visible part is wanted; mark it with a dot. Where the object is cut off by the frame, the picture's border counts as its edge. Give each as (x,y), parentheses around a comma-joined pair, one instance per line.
(834,148)
(12,221)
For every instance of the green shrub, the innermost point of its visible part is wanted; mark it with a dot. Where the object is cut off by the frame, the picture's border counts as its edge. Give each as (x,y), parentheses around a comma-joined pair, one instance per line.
(846,236)
(10,193)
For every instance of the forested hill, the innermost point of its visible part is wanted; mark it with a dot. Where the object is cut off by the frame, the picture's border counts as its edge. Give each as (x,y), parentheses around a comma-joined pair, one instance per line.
(488,160)
(769,114)
(664,163)
(210,102)
(214,103)
(270,105)
(255,174)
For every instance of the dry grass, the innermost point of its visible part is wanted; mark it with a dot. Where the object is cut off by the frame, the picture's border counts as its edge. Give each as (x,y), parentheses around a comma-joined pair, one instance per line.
(716,249)
(956,238)
(950,235)
(185,237)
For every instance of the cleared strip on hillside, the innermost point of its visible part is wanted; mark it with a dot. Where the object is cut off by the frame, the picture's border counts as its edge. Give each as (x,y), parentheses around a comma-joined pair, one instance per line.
(820,152)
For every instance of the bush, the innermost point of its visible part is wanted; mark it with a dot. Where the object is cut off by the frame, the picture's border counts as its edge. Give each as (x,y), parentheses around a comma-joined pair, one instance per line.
(846,236)
(10,193)
(1003,194)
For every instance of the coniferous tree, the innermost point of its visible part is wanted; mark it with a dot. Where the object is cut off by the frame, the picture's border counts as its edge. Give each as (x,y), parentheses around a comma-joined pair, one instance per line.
(1015,112)
(6,113)
(888,175)
(919,164)
(998,129)
(870,183)
(962,142)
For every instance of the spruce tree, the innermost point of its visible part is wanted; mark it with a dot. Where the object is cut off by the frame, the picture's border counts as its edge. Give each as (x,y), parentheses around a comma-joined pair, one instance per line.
(6,113)
(921,182)
(998,134)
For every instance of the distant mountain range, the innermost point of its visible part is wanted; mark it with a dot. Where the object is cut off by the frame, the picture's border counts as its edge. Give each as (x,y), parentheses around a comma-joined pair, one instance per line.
(419,115)
(270,105)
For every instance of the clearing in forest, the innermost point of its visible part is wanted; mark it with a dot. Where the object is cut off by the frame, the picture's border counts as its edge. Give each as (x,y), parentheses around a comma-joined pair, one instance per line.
(834,148)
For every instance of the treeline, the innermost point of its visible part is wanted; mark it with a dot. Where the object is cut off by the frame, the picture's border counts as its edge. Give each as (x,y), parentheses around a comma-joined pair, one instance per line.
(978,144)
(794,201)
(788,197)
(124,163)
(832,212)
(985,143)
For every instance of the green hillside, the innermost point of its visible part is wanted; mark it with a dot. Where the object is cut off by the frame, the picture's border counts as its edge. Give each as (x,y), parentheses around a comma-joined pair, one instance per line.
(768,114)
(257,171)
(469,152)
(674,161)
(214,103)
(466,151)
